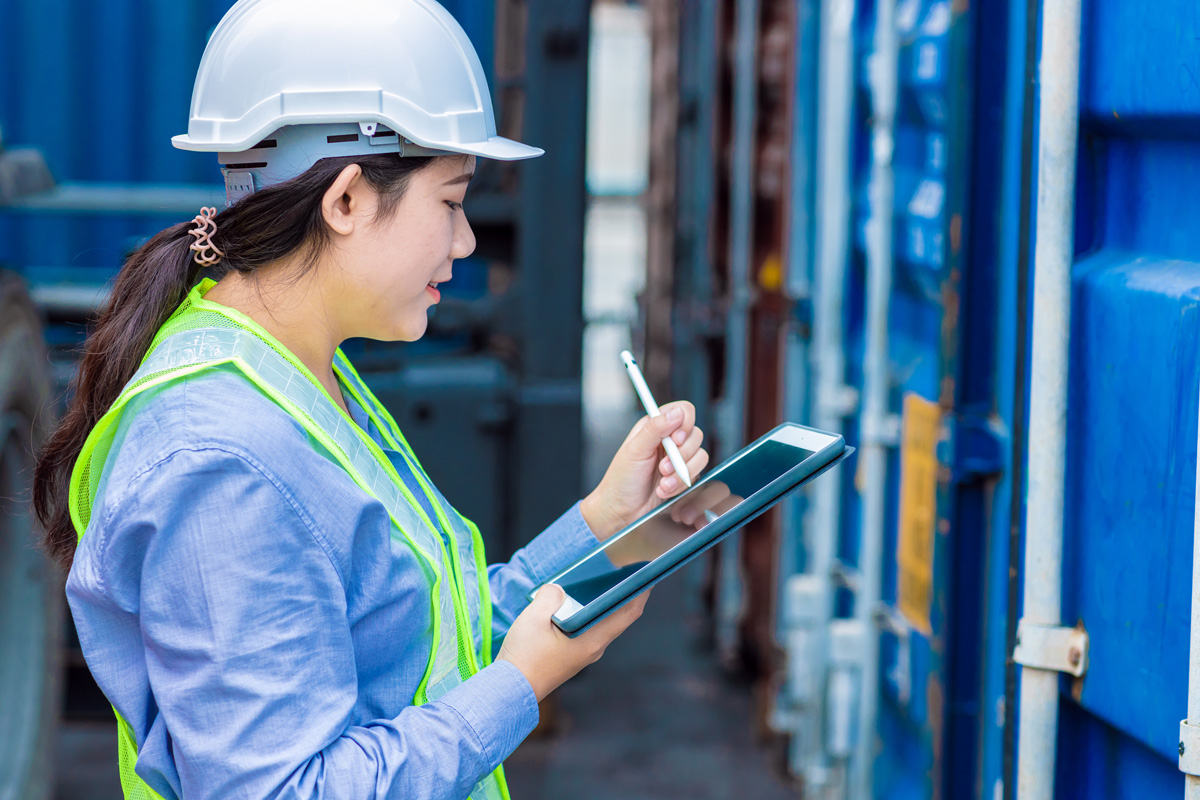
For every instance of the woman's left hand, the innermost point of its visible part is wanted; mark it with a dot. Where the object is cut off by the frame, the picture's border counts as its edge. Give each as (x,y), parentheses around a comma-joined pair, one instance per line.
(641,476)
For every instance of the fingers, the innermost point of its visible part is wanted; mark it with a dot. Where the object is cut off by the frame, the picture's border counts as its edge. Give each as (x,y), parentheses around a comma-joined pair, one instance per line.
(670,485)
(650,431)
(688,443)
(694,456)
(548,599)
(697,463)
(689,446)
(689,414)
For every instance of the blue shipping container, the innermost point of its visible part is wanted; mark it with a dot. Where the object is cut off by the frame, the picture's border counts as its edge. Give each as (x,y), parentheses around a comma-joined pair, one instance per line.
(100,89)
(958,338)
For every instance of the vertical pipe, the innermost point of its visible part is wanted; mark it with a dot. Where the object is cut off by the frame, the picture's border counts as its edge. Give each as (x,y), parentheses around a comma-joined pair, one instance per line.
(1020,375)
(835,97)
(798,275)
(741,228)
(1058,137)
(662,209)
(798,280)
(884,68)
(1191,789)
(741,223)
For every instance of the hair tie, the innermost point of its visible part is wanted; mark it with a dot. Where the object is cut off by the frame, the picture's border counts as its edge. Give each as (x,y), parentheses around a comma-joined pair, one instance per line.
(206,254)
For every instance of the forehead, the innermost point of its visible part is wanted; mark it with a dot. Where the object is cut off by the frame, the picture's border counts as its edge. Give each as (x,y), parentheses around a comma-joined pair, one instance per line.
(448,168)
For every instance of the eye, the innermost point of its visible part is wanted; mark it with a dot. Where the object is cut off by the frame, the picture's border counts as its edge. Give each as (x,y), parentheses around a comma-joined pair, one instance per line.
(454,206)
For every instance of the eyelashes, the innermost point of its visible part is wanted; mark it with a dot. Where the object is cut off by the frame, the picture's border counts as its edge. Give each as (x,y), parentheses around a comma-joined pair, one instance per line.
(454,206)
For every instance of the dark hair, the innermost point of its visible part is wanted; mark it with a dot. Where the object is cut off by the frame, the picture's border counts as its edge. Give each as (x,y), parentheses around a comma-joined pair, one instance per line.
(263,228)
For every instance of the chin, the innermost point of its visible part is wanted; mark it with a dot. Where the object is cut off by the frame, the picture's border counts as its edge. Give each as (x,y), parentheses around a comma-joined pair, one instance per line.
(410,331)
(401,328)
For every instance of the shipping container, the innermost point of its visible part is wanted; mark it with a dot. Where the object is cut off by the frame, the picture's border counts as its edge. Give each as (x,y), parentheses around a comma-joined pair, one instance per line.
(891,295)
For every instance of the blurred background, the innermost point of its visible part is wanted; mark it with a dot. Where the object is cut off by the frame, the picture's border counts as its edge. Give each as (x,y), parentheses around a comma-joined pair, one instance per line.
(823,211)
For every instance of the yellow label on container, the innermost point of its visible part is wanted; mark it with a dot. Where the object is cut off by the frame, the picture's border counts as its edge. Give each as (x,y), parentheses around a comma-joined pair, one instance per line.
(918,510)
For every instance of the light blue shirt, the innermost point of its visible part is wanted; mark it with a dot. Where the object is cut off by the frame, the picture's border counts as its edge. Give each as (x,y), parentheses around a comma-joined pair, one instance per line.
(243,605)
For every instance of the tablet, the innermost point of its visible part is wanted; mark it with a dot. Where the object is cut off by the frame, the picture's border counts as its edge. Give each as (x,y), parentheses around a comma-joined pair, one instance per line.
(729,496)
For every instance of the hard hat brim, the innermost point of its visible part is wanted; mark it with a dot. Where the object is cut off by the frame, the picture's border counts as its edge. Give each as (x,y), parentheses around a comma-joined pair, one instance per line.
(495,147)
(501,149)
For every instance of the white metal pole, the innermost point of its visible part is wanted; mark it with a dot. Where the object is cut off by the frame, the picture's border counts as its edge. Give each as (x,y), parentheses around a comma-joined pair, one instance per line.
(835,98)
(1058,137)
(883,79)
(1191,789)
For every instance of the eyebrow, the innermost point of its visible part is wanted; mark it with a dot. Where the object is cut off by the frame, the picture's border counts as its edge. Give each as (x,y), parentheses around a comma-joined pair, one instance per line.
(464,178)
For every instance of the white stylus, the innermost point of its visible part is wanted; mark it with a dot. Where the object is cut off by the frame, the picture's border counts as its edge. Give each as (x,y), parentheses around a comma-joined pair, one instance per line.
(643,392)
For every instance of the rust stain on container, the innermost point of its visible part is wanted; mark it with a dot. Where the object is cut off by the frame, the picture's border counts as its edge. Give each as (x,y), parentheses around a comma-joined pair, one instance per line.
(946,399)
(934,701)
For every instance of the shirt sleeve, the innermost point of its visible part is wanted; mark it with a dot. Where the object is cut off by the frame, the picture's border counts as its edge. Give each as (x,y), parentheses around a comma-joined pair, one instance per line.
(567,539)
(251,663)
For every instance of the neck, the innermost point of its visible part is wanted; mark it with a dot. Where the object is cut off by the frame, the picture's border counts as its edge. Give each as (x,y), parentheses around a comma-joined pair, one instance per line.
(292,310)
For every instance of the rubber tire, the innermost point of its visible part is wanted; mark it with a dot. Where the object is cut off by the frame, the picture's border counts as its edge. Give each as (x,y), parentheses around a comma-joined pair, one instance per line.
(31,587)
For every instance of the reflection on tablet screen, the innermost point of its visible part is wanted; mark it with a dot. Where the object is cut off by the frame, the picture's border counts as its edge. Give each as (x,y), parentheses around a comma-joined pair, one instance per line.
(586,590)
(704,503)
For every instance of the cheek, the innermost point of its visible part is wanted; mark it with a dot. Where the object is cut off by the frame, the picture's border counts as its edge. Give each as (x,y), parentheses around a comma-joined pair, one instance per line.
(422,242)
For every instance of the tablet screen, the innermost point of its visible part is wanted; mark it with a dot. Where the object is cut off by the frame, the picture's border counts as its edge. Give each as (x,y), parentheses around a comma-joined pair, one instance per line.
(674,522)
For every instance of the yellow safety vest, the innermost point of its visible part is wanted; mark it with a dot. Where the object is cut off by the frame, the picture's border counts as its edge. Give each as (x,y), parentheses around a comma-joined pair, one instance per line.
(201,335)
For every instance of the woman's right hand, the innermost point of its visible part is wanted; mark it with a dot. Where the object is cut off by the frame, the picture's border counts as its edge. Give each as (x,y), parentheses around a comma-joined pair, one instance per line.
(546,656)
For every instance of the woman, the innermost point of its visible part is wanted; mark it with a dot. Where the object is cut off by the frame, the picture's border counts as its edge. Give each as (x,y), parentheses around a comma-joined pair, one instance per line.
(267,587)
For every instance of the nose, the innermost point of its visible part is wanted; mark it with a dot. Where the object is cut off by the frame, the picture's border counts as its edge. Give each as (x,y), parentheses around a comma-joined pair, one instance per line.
(464,238)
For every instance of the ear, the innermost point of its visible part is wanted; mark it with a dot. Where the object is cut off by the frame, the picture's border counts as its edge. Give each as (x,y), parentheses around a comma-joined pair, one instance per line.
(345,200)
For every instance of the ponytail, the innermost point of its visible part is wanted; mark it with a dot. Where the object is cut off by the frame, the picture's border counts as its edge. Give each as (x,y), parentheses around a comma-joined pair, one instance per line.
(260,230)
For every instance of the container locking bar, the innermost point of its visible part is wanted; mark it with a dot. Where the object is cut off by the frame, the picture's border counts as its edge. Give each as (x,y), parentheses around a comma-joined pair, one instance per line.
(1189,748)
(1055,648)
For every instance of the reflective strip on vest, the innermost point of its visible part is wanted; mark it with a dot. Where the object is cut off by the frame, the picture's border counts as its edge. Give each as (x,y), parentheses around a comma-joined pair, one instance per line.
(184,353)
(465,533)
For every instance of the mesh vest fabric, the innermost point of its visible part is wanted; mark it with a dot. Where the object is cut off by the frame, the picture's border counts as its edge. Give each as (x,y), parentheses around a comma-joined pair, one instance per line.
(201,335)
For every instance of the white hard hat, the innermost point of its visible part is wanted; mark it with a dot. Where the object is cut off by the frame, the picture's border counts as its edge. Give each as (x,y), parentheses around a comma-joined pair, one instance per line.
(320,78)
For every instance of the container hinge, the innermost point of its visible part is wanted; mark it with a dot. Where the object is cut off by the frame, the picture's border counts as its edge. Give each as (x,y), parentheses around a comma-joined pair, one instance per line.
(979,447)
(1189,748)
(883,431)
(844,576)
(1052,647)
(891,622)
(838,401)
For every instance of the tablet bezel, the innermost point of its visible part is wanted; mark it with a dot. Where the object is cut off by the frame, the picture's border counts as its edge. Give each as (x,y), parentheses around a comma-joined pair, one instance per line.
(825,448)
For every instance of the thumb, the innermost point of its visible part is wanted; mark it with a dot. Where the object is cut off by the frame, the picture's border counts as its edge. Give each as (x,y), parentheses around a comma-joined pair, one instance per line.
(659,428)
(548,599)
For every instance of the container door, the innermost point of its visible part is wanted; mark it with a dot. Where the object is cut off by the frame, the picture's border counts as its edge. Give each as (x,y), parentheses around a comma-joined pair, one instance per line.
(944,429)
(1133,389)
